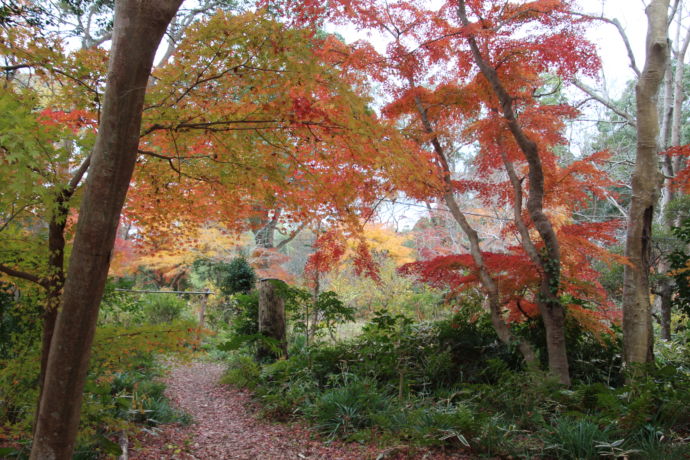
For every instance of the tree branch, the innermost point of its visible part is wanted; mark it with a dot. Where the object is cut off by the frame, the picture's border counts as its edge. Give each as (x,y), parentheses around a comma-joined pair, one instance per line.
(606,102)
(621,31)
(22,275)
(292,236)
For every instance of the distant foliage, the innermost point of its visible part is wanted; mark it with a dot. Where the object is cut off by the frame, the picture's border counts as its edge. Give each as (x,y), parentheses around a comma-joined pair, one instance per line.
(162,308)
(234,277)
(120,308)
(238,277)
(680,264)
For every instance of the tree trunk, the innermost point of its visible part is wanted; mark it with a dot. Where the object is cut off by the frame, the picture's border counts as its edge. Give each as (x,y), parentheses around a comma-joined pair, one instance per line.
(549,262)
(138,28)
(202,314)
(646,182)
(54,284)
(665,302)
(487,282)
(271,305)
(271,320)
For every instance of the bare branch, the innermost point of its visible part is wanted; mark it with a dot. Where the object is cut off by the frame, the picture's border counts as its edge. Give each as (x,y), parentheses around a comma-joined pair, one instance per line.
(621,31)
(608,103)
(292,236)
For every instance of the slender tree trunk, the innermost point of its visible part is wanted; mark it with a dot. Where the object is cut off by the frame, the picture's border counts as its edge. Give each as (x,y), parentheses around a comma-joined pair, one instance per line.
(487,282)
(646,182)
(549,262)
(55,282)
(138,28)
(665,294)
(202,314)
(56,266)
(315,302)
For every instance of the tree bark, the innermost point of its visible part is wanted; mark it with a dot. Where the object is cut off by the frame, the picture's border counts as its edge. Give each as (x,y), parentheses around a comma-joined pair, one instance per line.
(56,269)
(139,26)
(665,294)
(646,182)
(271,304)
(271,320)
(550,307)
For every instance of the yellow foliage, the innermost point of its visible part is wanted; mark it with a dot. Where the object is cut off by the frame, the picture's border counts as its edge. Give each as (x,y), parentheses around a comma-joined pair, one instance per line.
(208,242)
(384,241)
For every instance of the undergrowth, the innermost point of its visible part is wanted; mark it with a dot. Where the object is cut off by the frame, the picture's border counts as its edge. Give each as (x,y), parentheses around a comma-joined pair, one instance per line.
(121,395)
(453,384)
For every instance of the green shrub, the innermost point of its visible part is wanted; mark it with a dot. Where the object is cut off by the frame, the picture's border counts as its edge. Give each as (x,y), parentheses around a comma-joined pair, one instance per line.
(246,308)
(120,308)
(234,277)
(241,372)
(452,382)
(575,439)
(121,387)
(162,308)
(441,424)
(344,410)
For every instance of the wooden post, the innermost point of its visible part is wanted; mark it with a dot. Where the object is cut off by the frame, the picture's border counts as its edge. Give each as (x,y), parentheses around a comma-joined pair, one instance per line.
(202,313)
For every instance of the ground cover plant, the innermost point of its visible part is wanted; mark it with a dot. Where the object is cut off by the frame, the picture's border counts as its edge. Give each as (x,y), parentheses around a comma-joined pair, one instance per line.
(453,384)
(123,391)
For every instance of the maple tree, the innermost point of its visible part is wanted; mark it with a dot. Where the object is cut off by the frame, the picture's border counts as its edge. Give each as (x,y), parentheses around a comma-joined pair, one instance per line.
(473,69)
(279,151)
(41,174)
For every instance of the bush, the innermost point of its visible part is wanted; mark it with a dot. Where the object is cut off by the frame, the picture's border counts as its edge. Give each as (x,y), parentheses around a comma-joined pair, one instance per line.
(453,382)
(347,408)
(246,308)
(162,308)
(236,277)
(242,372)
(120,308)
(576,439)
(120,389)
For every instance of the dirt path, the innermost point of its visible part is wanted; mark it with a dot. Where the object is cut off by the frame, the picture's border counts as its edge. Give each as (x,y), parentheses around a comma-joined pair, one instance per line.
(225,426)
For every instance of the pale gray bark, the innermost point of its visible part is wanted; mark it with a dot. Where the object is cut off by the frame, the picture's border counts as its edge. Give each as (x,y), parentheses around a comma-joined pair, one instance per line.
(488,284)
(646,182)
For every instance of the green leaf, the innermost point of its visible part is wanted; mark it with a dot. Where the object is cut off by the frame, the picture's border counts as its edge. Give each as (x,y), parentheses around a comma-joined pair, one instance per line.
(109,447)
(8,451)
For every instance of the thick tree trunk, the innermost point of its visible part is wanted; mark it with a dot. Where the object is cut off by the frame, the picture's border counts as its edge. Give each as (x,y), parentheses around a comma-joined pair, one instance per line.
(138,28)
(646,182)
(550,307)
(271,320)
(271,304)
